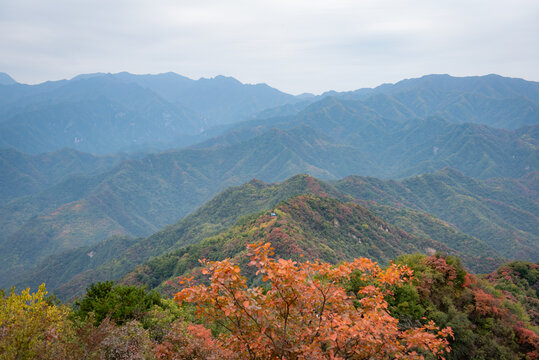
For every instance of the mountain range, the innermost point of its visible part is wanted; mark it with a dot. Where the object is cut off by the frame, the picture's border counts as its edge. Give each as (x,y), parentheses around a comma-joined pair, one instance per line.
(106,113)
(140,196)
(462,153)
(68,273)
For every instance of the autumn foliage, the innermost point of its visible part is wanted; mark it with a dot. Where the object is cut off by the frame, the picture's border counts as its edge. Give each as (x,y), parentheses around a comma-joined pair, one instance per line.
(32,327)
(303,311)
(298,311)
(190,342)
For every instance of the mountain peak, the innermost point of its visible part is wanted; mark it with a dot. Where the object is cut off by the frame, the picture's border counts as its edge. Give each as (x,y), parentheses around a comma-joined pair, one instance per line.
(258,184)
(222,80)
(5,79)
(436,76)
(89,76)
(449,171)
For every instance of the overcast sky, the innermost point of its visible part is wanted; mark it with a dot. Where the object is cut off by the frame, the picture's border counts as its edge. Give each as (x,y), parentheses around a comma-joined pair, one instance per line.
(294,45)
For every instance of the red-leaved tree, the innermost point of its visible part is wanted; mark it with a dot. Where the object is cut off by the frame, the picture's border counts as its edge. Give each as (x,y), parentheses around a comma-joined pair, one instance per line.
(306,313)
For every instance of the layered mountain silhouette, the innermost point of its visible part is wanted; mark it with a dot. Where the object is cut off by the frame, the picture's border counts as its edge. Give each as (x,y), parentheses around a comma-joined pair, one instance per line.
(139,196)
(475,140)
(476,208)
(104,113)
(319,228)
(491,100)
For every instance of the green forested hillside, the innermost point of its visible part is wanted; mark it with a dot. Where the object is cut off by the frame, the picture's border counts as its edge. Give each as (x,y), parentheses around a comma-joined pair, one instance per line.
(140,196)
(316,227)
(24,174)
(402,146)
(519,280)
(487,322)
(213,217)
(222,212)
(504,217)
(434,233)
(428,193)
(477,256)
(491,100)
(59,269)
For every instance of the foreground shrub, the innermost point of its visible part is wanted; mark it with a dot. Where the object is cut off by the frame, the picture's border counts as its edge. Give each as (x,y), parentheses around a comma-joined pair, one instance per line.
(305,312)
(120,303)
(191,342)
(33,327)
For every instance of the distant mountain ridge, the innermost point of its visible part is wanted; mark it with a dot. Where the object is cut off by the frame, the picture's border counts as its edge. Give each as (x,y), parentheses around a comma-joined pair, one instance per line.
(492,100)
(5,79)
(404,147)
(104,113)
(219,100)
(463,99)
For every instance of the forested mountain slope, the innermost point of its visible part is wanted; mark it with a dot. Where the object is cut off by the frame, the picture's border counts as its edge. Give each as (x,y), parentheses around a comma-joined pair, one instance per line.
(308,225)
(221,213)
(211,218)
(140,196)
(491,100)
(24,174)
(220,100)
(505,217)
(403,146)
(103,113)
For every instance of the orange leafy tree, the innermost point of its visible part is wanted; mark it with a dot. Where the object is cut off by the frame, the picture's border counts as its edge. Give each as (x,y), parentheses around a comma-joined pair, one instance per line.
(304,311)
(191,342)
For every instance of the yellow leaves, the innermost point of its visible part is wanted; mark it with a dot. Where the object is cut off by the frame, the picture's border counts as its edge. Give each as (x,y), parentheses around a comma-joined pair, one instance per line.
(395,274)
(30,324)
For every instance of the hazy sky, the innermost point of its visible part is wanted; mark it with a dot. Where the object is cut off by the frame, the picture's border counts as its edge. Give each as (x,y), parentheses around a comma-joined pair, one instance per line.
(294,45)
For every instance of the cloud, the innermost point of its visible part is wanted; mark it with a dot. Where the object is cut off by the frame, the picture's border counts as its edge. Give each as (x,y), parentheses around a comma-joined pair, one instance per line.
(294,45)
